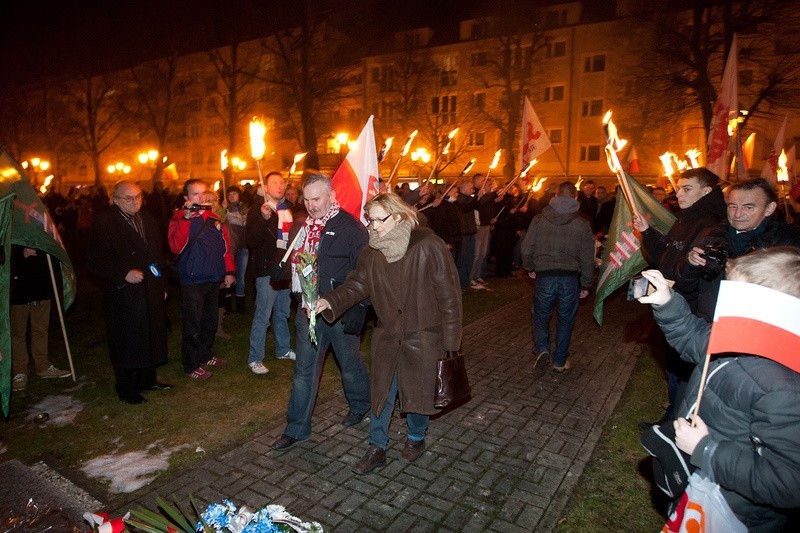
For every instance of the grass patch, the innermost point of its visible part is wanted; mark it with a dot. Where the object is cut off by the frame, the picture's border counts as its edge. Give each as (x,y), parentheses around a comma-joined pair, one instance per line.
(213,415)
(614,493)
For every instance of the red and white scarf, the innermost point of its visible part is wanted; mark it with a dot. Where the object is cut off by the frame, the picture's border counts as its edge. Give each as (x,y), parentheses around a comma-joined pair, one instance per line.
(309,241)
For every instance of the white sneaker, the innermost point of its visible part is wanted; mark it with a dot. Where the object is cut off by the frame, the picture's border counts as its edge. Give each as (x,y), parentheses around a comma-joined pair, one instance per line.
(258,367)
(476,285)
(19,383)
(288,355)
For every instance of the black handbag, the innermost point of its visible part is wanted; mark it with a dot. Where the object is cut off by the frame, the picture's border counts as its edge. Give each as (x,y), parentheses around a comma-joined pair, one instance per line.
(452,383)
(671,467)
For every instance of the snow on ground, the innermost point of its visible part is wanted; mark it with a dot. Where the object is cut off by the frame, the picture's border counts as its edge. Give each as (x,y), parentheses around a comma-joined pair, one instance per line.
(61,410)
(129,471)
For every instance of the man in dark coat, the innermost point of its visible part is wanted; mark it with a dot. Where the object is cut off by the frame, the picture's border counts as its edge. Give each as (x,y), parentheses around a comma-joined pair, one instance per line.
(126,252)
(752,224)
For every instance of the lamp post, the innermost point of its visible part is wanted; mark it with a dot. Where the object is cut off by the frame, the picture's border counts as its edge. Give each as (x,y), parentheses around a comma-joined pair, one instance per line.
(420,156)
(119,169)
(36,165)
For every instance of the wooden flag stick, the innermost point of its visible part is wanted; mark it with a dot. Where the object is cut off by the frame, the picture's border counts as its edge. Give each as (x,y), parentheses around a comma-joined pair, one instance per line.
(700,390)
(60,315)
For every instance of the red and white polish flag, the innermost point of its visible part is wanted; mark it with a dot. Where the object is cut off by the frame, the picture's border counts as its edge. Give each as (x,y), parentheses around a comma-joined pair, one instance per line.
(356,179)
(756,320)
(533,138)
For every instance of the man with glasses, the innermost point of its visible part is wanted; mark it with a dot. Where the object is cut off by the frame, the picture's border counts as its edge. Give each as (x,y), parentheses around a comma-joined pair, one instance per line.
(125,251)
(334,239)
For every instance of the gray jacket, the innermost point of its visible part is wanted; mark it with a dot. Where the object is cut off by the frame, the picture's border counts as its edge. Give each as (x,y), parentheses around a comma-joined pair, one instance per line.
(560,242)
(750,405)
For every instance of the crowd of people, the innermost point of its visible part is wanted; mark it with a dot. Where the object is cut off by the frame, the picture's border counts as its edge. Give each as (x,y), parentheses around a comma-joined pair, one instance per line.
(421,249)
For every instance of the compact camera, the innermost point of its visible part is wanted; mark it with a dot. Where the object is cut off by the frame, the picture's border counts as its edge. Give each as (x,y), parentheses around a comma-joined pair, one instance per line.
(716,257)
(639,287)
(198,207)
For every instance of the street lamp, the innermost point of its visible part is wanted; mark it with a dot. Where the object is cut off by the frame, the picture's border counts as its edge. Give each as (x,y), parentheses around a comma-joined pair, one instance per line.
(36,164)
(118,169)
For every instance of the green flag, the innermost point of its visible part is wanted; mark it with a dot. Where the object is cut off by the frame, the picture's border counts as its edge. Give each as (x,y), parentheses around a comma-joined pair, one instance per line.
(6,204)
(622,256)
(31,223)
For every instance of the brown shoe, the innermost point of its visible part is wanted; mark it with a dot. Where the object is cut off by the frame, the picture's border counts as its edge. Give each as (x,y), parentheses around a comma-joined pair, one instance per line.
(375,457)
(562,369)
(413,450)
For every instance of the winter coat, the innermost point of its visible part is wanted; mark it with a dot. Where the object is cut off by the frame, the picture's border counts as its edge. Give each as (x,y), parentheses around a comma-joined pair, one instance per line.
(466,210)
(772,232)
(750,406)
(340,244)
(203,248)
(262,238)
(30,277)
(560,243)
(136,318)
(666,252)
(418,303)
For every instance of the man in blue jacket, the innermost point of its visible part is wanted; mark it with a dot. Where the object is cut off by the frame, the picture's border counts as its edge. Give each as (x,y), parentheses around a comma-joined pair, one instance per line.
(201,241)
(335,238)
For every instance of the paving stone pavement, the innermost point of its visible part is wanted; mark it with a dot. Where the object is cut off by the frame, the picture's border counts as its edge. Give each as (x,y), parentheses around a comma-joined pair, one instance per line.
(508,460)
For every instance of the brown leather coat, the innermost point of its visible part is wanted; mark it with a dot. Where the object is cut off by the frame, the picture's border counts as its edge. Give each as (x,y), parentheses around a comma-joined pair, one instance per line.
(418,303)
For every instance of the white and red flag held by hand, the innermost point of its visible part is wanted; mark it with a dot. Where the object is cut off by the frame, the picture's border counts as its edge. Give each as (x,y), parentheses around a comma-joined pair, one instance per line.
(356,179)
(726,109)
(770,170)
(756,320)
(533,139)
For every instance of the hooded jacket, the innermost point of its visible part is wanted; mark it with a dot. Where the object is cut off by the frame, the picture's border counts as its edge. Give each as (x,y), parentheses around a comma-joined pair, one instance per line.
(749,404)
(666,252)
(559,242)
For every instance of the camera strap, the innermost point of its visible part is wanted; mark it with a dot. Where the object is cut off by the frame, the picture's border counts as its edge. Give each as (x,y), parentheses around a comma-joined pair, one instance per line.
(196,235)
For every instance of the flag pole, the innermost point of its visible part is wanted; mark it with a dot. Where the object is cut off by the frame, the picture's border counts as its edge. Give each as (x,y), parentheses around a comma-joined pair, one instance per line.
(700,389)
(61,316)
(558,158)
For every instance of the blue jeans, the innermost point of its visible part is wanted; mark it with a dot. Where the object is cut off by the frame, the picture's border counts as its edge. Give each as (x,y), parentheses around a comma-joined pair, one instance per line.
(464,262)
(552,290)
(379,424)
(269,302)
(308,370)
(241,267)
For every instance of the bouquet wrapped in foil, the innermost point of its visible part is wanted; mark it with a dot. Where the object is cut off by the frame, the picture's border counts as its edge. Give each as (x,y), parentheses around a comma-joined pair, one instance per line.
(308,276)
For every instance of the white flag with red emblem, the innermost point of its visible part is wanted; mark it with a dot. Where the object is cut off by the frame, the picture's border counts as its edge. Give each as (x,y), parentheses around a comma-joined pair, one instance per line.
(533,139)
(356,179)
(726,109)
(769,329)
(770,170)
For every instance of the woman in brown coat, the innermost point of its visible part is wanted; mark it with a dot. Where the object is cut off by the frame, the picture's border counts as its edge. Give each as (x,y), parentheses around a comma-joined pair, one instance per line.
(409,275)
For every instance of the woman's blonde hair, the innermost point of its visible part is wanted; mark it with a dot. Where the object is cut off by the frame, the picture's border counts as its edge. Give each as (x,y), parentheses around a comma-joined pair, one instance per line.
(776,268)
(393,205)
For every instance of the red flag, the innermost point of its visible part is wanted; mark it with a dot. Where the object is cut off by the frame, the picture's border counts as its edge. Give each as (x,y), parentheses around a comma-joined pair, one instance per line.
(726,108)
(356,179)
(769,329)
(633,161)
(770,170)
(533,139)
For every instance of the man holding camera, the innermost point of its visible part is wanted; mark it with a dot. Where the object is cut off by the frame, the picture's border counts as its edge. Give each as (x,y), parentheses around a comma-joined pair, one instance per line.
(752,224)
(201,241)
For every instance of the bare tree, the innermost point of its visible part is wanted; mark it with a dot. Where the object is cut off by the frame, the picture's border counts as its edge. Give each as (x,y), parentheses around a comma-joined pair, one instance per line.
(93,117)
(690,47)
(156,101)
(308,69)
(506,71)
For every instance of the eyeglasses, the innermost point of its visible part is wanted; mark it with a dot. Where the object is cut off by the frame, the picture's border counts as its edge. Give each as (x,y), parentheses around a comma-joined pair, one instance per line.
(372,221)
(130,198)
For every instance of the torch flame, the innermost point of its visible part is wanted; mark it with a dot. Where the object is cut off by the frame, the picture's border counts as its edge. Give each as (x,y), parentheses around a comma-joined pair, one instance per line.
(297,158)
(530,166)
(223,160)
(693,156)
(257,144)
(388,144)
(452,133)
(495,160)
(407,146)
(782,171)
(468,166)
(666,161)
(613,143)
(216,186)
(537,185)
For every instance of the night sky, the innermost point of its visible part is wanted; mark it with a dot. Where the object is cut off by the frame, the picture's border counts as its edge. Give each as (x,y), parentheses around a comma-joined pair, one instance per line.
(54,37)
